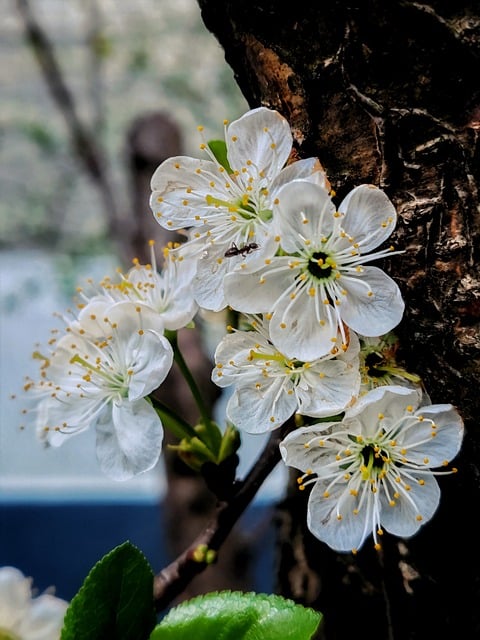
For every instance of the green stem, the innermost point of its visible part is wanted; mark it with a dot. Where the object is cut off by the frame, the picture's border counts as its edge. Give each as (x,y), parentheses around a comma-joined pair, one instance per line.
(177,425)
(187,374)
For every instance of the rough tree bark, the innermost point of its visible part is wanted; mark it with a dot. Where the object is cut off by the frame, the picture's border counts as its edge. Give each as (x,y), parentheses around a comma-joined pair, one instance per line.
(388,93)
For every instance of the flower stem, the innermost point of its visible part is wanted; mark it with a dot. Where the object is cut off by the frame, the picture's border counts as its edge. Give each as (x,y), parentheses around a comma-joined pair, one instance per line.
(174,423)
(187,374)
(175,577)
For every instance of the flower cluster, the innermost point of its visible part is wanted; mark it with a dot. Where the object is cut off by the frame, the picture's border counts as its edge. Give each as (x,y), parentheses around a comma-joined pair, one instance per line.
(311,337)
(270,241)
(110,357)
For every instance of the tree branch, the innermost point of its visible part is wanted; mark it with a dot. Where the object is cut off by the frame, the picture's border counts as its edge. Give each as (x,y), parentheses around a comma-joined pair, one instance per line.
(173,579)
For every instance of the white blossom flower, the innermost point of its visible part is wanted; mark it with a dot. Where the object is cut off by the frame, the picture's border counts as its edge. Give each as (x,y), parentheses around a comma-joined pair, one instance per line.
(168,292)
(374,470)
(319,282)
(269,387)
(98,375)
(23,617)
(230,206)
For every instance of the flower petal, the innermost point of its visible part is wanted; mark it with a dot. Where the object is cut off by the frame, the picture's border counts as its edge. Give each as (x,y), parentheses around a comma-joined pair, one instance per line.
(370,216)
(129,440)
(413,508)
(297,451)
(332,386)
(339,528)
(304,213)
(371,315)
(439,444)
(259,291)
(390,401)
(258,410)
(180,186)
(15,593)
(208,288)
(59,420)
(300,330)
(149,357)
(232,354)
(45,619)
(261,136)
(307,169)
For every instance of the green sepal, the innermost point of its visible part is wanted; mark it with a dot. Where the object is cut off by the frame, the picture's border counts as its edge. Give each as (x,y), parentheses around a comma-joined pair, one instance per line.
(115,600)
(219,150)
(210,446)
(193,452)
(233,615)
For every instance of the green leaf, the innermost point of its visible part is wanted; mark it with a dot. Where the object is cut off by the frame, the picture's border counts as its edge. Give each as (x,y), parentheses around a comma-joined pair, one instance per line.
(219,150)
(115,600)
(232,615)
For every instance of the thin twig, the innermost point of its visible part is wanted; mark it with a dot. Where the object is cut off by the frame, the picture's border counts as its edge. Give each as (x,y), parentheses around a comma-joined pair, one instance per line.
(174,578)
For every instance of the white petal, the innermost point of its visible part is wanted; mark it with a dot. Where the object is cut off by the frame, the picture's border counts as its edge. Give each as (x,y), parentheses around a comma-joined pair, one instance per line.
(45,619)
(296,331)
(180,186)
(296,451)
(129,441)
(232,354)
(129,317)
(149,356)
(15,593)
(446,441)
(208,284)
(181,312)
(331,393)
(304,213)
(307,169)
(420,500)
(267,247)
(90,318)
(261,410)
(262,136)
(258,292)
(66,418)
(389,400)
(169,294)
(343,534)
(370,217)
(371,315)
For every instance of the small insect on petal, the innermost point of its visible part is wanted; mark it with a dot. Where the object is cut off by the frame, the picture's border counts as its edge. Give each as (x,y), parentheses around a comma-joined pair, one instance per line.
(243,250)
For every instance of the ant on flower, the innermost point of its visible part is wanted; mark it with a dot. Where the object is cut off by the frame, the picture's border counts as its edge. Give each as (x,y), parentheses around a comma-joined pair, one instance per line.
(243,250)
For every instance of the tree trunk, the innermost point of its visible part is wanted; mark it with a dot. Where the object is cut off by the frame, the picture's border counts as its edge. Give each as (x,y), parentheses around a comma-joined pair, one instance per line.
(388,93)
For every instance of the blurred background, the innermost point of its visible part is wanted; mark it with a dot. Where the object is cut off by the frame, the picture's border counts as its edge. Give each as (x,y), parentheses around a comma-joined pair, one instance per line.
(94,95)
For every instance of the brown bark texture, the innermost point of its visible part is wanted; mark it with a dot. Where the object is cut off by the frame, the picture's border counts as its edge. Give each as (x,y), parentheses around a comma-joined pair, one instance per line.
(388,93)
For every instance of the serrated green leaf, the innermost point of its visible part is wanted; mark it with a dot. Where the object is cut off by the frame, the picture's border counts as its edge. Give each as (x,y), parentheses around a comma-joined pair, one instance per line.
(115,600)
(219,150)
(233,615)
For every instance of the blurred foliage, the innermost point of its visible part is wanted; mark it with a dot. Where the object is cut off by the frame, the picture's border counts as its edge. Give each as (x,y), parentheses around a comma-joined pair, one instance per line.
(141,57)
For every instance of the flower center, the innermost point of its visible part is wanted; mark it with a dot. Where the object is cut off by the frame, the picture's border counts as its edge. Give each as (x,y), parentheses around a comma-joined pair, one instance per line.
(116,381)
(245,206)
(372,361)
(321,265)
(374,459)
